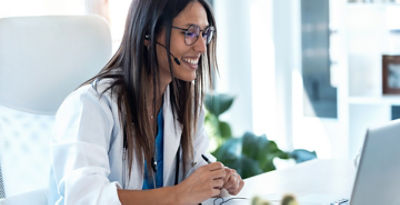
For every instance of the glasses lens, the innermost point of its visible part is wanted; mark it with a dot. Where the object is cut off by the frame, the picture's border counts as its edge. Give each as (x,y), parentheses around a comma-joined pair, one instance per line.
(192,34)
(208,34)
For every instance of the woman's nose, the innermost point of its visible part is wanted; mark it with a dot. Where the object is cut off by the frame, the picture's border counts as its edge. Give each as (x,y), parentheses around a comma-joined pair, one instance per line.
(200,44)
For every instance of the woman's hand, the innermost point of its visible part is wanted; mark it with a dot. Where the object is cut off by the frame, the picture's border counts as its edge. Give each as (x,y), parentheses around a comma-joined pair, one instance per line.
(206,182)
(233,183)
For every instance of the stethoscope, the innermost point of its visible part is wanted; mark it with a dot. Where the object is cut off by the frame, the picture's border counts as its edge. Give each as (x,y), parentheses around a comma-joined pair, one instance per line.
(154,167)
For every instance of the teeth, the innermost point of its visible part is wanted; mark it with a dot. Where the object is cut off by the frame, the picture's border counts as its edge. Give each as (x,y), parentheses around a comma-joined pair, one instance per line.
(192,61)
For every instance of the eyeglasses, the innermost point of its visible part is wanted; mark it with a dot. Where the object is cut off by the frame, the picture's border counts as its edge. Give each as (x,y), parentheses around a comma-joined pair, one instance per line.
(221,201)
(192,33)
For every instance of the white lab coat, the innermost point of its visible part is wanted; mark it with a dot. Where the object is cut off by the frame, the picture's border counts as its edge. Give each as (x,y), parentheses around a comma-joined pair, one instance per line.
(87,155)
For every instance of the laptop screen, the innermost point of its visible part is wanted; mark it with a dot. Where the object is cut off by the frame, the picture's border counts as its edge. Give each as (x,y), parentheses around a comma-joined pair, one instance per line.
(378,175)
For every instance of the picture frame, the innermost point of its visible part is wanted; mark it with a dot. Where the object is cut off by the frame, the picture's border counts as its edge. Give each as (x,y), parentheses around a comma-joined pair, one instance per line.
(390,74)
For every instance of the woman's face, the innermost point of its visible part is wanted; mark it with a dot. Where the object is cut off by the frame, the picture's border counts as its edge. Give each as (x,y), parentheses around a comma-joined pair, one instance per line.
(189,56)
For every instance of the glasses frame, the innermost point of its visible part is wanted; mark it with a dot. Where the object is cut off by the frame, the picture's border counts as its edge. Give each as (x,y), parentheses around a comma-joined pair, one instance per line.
(200,31)
(226,200)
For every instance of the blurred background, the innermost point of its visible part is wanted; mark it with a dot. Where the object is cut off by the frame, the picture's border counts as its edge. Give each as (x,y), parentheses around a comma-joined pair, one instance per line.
(305,74)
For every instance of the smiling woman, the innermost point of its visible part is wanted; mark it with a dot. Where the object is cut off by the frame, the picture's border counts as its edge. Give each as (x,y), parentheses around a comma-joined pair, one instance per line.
(108,140)
(190,35)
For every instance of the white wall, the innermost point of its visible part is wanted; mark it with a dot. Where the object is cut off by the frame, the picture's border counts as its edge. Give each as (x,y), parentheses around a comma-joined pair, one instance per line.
(264,103)
(328,137)
(234,56)
(256,53)
(287,58)
(263,69)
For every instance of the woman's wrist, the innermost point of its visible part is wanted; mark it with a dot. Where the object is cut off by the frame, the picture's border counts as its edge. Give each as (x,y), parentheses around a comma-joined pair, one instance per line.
(166,195)
(177,195)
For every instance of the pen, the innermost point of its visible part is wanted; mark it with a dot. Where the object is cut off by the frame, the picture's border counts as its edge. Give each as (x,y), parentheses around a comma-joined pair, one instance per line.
(206,159)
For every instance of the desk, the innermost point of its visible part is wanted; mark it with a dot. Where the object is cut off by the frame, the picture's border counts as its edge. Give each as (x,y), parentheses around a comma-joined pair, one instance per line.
(315,182)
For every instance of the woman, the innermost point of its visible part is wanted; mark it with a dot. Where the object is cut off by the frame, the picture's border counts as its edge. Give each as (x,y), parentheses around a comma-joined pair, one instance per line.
(138,124)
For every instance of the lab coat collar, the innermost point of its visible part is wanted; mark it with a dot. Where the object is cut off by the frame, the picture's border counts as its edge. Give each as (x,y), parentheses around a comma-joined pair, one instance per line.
(172,137)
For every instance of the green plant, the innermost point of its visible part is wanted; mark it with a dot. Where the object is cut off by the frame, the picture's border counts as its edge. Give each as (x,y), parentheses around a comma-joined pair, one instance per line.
(249,154)
(216,105)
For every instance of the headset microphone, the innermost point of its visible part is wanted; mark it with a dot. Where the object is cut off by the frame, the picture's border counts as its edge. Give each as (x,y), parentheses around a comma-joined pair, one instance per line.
(177,61)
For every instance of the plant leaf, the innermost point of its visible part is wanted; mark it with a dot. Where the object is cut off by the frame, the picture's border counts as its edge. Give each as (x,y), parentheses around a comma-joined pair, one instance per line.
(268,165)
(218,103)
(229,150)
(246,167)
(250,146)
(225,130)
(302,155)
(211,124)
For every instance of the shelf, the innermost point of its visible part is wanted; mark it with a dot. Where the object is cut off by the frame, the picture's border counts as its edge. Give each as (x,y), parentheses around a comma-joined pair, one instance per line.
(382,100)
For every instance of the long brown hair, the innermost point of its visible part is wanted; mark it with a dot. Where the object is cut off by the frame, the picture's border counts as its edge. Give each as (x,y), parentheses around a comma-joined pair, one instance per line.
(133,68)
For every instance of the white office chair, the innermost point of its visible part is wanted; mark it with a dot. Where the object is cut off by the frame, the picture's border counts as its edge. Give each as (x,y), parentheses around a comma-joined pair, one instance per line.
(42,60)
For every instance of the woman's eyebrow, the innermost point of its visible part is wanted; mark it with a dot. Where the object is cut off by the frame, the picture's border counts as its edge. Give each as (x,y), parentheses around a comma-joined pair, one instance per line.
(191,24)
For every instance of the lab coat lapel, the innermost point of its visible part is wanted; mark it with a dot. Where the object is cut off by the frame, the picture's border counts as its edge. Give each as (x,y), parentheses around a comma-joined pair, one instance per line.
(172,136)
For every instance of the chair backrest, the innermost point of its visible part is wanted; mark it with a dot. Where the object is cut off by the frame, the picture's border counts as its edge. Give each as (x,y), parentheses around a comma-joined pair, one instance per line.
(42,60)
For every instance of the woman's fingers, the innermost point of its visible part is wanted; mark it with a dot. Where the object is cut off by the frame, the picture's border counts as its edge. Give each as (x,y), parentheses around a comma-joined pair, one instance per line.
(229,178)
(236,191)
(218,174)
(209,180)
(214,166)
(233,182)
(217,183)
(215,193)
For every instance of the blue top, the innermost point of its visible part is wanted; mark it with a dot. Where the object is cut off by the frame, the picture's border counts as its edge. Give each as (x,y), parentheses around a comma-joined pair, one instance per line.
(148,181)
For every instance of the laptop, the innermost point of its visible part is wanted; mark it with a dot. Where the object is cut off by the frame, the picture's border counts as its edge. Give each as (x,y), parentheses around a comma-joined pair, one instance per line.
(378,175)
(377,180)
